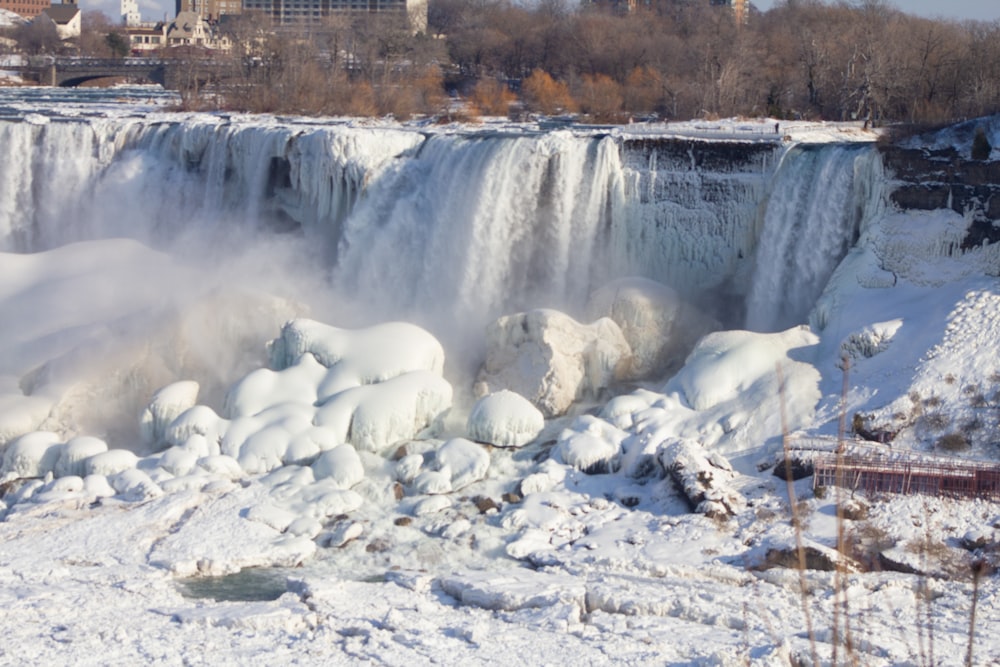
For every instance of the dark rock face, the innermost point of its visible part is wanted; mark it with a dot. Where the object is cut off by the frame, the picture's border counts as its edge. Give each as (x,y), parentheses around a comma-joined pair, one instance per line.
(928,180)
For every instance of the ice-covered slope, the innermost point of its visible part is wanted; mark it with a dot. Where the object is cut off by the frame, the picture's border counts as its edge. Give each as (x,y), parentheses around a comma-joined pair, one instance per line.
(649,530)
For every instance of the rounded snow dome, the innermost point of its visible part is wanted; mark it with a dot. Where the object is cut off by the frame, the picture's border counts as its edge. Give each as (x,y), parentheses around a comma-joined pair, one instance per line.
(505,419)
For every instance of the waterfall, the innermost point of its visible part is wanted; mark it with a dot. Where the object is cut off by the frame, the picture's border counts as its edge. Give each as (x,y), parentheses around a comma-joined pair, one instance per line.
(820,199)
(472,226)
(443,225)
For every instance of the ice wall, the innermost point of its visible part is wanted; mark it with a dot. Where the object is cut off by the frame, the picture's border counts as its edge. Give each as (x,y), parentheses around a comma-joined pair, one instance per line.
(460,226)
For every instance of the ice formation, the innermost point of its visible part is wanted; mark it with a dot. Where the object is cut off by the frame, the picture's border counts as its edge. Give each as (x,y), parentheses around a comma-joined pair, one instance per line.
(553,360)
(505,419)
(411,530)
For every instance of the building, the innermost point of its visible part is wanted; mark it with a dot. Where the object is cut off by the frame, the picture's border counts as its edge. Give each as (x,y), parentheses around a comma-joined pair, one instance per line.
(66,18)
(291,12)
(29,9)
(192,30)
(146,40)
(130,13)
(739,8)
(210,9)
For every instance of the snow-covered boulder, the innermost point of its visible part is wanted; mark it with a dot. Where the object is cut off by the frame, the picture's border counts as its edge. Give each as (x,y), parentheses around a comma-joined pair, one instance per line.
(553,360)
(869,341)
(341,464)
(360,356)
(726,364)
(373,417)
(166,405)
(198,420)
(110,463)
(464,461)
(660,327)
(32,455)
(74,454)
(295,383)
(504,419)
(591,445)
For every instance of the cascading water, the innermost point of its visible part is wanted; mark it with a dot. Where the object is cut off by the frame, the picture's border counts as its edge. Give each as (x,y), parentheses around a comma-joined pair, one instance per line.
(448,229)
(471,226)
(820,199)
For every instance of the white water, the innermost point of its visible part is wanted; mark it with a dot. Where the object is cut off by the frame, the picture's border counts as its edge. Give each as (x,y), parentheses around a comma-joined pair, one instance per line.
(819,201)
(447,229)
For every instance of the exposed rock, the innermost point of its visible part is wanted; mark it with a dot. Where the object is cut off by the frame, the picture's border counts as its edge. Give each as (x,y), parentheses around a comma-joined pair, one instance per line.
(553,360)
(793,467)
(702,478)
(816,558)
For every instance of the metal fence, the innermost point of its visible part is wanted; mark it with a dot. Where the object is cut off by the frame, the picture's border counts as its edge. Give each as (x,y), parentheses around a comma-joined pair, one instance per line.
(871,474)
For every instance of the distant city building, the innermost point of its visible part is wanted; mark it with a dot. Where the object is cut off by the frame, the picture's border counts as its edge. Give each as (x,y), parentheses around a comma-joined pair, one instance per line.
(289,12)
(29,9)
(739,8)
(146,40)
(130,13)
(66,18)
(191,29)
(210,9)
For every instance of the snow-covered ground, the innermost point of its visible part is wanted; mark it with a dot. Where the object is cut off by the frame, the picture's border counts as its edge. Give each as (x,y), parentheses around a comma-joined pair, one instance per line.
(345,498)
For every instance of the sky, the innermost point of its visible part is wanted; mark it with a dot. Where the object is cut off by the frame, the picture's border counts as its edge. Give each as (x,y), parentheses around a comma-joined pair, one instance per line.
(980,10)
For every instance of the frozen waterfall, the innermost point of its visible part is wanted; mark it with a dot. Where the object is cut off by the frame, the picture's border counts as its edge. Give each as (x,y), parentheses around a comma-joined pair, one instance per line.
(465,225)
(820,199)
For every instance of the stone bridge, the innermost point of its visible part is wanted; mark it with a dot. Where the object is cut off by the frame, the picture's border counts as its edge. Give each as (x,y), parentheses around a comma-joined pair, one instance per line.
(172,74)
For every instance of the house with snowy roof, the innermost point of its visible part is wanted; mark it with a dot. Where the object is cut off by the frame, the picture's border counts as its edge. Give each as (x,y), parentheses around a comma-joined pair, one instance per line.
(66,18)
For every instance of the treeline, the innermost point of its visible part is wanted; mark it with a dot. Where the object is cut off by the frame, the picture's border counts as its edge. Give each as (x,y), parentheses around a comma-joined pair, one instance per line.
(671,59)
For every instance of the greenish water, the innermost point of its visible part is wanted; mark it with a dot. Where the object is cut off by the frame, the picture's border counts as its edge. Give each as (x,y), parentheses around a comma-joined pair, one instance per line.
(250,585)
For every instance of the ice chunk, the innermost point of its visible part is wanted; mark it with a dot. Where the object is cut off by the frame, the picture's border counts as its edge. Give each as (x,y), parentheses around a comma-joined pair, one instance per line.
(464,461)
(71,460)
(553,360)
(33,454)
(341,465)
(110,463)
(505,419)
(166,405)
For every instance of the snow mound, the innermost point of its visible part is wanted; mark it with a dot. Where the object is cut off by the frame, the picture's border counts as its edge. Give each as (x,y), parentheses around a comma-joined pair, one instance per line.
(32,455)
(726,364)
(505,419)
(72,460)
(341,464)
(361,356)
(553,360)
(464,461)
